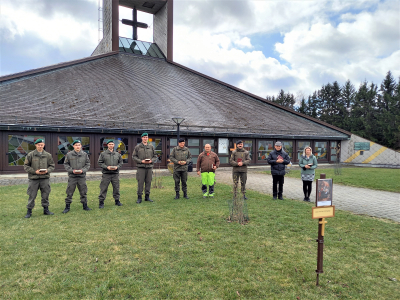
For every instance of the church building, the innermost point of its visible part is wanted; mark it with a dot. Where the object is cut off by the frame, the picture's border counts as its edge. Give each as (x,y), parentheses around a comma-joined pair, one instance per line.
(127,87)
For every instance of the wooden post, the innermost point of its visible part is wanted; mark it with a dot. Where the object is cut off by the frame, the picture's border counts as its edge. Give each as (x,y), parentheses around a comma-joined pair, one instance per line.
(320,241)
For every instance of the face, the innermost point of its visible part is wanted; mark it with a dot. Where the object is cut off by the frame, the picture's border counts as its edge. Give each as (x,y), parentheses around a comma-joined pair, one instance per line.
(278,147)
(239,146)
(308,151)
(181,144)
(207,148)
(39,147)
(111,146)
(77,147)
(145,139)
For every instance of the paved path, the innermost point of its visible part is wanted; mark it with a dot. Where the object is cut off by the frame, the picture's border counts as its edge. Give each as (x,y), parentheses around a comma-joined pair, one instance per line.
(357,200)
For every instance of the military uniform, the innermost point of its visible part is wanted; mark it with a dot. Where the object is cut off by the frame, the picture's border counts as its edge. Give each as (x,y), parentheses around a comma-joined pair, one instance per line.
(240,172)
(34,161)
(144,172)
(180,171)
(106,159)
(76,161)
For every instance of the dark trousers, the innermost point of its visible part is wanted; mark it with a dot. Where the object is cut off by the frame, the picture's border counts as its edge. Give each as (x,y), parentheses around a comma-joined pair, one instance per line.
(307,188)
(178,177)
(82,187)
(33,187)
(143,177)
(277,180)
(105,182)
(242,176)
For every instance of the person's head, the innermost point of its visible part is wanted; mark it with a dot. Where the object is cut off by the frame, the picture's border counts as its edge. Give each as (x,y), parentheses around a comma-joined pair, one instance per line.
(77,145)
(181,143)
(307,151)
(39,144)
(110,145)
(278,146)
(239,144)
(207,148)
(145,138)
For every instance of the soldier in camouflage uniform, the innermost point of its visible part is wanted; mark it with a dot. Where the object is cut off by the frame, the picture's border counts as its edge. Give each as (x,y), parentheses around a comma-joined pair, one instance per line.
(38,164)
(181,157)
(110,162)
(240,159)
(145,156)
(76,163)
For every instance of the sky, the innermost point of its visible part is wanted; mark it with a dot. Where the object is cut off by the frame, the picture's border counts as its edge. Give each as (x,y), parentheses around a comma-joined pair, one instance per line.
(259,46)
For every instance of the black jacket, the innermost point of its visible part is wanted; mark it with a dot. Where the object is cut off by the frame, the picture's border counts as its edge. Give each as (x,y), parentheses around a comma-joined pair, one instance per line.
(276,168)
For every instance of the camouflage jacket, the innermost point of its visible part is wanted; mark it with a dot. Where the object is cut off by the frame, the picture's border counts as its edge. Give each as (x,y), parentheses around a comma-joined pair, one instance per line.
(242,154)
(35,161)
(76,161)
(180,154)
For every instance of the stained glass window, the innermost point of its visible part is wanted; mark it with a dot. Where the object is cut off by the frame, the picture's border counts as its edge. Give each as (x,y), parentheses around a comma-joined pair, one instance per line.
(300,147)
(19,146)
(65,145)
(248,145)
(264,148)
(120,145)
(288,148)
(321,150)
(157,144)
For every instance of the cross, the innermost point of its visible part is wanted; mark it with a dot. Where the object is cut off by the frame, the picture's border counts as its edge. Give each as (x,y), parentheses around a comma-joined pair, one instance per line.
(323,222)
(234,147)
(134,23)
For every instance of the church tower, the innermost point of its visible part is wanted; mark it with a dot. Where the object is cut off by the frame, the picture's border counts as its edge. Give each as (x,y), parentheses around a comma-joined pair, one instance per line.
(162,11)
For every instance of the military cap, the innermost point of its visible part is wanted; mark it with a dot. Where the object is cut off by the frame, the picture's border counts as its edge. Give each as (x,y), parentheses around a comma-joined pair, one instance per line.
(181,140)
(109,141)
(239,142)
(39,141)
(145,134)
(76,141)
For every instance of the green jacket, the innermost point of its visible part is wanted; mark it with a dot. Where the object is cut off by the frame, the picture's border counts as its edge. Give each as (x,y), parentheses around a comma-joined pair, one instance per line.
(35,161)
(244,155)
(108,158)
(180,154)
(77,161)
(303,161)
(142,152)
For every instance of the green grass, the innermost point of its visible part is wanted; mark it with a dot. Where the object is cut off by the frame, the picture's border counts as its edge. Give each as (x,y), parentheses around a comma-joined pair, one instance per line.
(370,178)
(186,249)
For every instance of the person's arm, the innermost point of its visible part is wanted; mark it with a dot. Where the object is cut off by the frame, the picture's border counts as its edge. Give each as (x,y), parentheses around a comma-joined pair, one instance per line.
(270,159)
(216,161)
(286,159)
(86,167)
(120,161)
(198,164)
(135,156)
(27,165)
(172,157)
(301,164)
(67,165)
(315,163)
(189,157)
(101,161)
(232,160)
(50,164)
(247,159)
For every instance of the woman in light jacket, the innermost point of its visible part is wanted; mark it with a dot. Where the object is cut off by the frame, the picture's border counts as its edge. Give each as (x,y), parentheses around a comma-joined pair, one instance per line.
(308,164)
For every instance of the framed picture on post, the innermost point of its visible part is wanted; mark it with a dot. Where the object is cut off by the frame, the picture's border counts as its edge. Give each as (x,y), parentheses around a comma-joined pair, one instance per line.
(324,192)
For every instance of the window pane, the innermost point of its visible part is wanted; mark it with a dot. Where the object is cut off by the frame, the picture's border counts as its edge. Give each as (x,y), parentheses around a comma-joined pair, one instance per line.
(334,147)
(321,150)
(125,43)
(264,148)
(300,147)
(121,146)
(194,151)
(19,146)
(223,146)
(193,142)
(288,147)
(194,160)
(248,145)
(173,143)
(65,145)
(157,144)
(224,160)
(211,142)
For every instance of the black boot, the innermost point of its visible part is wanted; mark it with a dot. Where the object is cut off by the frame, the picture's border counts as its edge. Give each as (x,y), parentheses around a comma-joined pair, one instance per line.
(118,203)
(85,207)
(47,212)
(101,204)
(29,213)
(147,198)
(177,195)
(139,199)
(185,195)
(244,197)
(66,208)
(280,197)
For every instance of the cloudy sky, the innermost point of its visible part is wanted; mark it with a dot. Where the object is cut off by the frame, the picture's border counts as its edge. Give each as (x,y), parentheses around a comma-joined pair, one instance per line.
(260,46)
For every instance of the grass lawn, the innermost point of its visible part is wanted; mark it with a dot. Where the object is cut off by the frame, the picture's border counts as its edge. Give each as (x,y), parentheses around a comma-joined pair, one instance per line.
(186,249)
(370,178)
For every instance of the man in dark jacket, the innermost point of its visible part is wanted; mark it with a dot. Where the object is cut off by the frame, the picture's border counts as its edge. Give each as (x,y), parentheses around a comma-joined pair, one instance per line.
(207,163)
(180,156)
(145,156)
(38,164)
(110,162)
(240,159)
(76,163)
(278,159)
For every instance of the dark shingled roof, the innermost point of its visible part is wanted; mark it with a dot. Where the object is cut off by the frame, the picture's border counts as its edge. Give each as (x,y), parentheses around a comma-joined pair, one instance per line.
(130,91)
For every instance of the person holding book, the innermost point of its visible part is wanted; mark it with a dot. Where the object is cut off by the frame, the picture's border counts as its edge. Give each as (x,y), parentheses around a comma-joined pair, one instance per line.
(278,159)
(145,156)
(207,163)
(308,164)
(181,157)
(240,159)
(110,162)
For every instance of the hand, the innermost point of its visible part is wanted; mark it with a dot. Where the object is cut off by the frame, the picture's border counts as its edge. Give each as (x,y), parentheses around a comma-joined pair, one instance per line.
(41,173)
(279,161)
(77,171)
(182,162)
(146,161)
(307,166)
(215,167)
(198,172)
(240,164)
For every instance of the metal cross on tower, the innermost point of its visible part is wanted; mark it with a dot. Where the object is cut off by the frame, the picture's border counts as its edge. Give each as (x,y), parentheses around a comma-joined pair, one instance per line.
(134,23)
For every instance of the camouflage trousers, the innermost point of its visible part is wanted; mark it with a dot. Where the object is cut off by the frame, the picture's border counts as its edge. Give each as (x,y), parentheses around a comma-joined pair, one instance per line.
(242,176)
(105,182)
(144,177)
(33,187)
(178,177)
(82,187)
